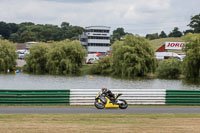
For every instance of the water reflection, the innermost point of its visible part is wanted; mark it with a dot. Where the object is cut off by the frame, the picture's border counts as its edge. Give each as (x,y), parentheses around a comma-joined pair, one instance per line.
(194,83)
(27,81)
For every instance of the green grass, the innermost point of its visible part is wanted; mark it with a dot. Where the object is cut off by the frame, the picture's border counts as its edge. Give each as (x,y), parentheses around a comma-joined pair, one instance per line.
(86,69)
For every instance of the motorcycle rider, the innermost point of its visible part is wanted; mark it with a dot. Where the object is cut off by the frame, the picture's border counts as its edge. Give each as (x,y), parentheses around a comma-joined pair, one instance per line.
(109,94)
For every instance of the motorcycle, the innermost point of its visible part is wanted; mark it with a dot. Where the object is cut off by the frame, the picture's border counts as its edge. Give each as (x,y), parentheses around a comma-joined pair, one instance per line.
(102,101)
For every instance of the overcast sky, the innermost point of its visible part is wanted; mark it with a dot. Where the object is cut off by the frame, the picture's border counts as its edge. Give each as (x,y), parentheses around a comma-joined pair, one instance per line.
(135,16)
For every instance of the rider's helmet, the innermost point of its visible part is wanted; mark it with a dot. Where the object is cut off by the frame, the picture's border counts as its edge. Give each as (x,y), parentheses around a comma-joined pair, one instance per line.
(104,90)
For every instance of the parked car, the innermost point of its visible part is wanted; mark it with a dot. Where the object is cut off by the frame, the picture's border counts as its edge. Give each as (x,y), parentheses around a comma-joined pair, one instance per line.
(22,53)
(166,55)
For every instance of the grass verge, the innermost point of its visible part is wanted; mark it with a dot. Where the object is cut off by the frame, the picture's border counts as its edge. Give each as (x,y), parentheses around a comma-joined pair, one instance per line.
(112,123)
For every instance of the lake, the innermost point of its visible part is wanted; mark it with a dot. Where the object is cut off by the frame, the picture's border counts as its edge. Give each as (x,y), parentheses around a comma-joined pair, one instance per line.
(27,81)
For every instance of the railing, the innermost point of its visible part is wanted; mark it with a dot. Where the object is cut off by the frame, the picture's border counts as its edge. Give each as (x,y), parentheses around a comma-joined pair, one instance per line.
(34,97)
(132,96)
(183,97)
(87,96)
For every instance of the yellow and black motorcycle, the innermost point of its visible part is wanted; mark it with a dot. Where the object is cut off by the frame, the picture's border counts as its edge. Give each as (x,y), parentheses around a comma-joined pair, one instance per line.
(102,101)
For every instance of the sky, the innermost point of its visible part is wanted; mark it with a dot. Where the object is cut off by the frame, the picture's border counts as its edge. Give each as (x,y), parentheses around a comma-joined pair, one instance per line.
(135,16)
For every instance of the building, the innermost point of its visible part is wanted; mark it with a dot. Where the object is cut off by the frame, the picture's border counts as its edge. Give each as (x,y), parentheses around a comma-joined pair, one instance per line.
(96,39)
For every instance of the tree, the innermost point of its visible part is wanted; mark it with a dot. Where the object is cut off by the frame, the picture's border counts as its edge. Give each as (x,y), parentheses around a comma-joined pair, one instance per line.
(14,37)
(169,68)
(65,25)
(8,56)
(118,34)
(152,36)
(73,32)
(162,35)
(36,61)
(175,33)
(66,57)
(133,57)
(195,23)
(191,62)
(27,35)
(4,30)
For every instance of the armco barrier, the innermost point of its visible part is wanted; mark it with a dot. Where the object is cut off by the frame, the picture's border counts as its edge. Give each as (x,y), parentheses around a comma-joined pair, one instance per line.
(132,96)
(87,96)
(34,97)
(183,97)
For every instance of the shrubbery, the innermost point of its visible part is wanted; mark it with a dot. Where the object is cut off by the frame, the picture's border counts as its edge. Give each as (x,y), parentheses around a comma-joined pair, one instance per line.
(133,57)
(36,61)
(8,56)
(65,57)
(130,58)
(103,66)
(169,68)
(191,62)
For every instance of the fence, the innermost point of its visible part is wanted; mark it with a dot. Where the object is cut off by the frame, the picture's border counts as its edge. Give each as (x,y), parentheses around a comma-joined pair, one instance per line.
(132,96)
(183,97)
(87,96)
(34,96)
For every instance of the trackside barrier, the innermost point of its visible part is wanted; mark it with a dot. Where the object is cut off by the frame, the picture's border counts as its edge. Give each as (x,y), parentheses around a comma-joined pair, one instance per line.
(21,97)
(87,96)
(183,97)
(132,96)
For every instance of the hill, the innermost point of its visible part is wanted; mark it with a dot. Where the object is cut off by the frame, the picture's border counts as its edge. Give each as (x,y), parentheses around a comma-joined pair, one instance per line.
(157,43)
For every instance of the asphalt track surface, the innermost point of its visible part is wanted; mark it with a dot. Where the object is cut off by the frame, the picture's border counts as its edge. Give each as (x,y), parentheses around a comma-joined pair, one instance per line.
(72,110)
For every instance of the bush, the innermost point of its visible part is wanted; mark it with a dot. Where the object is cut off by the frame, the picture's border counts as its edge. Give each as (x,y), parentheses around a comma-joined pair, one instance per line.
(8,56)
(133,57)
(66,57)
(103,66)
(169,68)
(191,62)
(36,61)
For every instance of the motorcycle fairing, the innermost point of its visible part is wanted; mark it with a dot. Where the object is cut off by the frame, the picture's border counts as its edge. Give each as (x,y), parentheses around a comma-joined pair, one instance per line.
(110,105)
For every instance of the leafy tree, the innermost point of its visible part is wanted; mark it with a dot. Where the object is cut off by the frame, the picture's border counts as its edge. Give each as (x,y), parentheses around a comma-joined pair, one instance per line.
(162,35)
(8,56)
(27,24)
(169,68)
(133,57)
(27,35)
(28,31)
(4,30)
(65,25)
(13,27)
(175,33)
(66,57)
(118,34)
(152,36)
(73,32)
(191,62)
(195,23)
(14,37)
(36,61)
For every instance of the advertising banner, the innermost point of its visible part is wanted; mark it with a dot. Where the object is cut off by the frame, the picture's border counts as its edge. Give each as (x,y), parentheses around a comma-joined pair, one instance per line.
(174,45)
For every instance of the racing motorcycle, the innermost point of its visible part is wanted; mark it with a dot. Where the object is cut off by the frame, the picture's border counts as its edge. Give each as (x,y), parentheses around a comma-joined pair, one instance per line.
(102,101)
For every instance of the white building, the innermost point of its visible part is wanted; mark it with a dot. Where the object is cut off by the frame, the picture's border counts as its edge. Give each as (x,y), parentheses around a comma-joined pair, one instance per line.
(96,39)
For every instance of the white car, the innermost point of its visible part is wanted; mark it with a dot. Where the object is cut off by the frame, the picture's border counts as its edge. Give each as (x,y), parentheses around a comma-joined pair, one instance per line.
(166,55)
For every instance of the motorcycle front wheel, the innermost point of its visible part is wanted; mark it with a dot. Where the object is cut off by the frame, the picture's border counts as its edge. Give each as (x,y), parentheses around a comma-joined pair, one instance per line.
(99,105)
(123,105)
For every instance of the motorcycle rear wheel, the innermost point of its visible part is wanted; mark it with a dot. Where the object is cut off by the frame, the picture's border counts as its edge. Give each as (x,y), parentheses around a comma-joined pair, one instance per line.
(123,105)
(99,105)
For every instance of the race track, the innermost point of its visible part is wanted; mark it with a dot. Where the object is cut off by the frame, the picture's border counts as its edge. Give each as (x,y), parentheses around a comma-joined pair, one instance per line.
(65,110)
